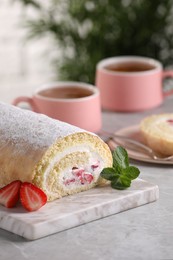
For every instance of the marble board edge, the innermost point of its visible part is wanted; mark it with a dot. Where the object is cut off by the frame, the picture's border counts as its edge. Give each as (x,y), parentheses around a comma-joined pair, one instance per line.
(39,228)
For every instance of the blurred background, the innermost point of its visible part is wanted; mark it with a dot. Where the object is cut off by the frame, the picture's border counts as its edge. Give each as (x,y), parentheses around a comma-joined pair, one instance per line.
(43,41)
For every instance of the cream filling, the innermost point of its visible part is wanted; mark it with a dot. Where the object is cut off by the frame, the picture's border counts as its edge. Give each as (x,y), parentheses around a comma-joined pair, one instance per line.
(67,173)
(87,169)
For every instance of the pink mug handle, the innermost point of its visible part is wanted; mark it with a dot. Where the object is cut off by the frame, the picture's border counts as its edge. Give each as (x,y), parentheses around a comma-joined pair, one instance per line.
(28,100)
(167,74)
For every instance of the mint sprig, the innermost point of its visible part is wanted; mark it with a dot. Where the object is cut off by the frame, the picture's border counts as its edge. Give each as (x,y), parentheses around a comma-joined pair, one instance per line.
(121,173)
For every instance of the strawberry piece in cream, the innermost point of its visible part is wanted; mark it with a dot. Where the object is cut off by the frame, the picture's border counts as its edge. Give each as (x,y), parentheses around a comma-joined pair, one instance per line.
(170,121)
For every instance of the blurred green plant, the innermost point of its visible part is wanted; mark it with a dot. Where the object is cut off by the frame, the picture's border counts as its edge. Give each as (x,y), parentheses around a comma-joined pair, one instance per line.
(87,31)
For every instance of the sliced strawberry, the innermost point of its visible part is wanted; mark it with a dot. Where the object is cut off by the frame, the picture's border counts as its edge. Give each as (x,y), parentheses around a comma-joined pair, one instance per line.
(95,165)
(88,177)
(170,121)
(68,181)
(78,172)
(9,194)
(32,197)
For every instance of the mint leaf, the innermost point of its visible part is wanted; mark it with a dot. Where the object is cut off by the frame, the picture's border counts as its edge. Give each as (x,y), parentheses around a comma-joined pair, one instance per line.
(120,184)
(125,181)
(109,174)
(120,157)
(131,172)
(118,169)
(121,174)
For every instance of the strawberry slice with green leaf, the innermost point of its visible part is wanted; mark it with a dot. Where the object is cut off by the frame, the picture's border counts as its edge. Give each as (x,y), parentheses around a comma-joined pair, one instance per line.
(32,198)
(9,194)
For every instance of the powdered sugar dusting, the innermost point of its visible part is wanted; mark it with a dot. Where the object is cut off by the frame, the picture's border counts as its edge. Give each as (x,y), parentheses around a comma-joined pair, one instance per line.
(25,129)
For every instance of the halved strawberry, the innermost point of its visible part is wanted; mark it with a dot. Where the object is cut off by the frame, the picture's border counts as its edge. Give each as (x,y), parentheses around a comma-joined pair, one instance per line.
(32,197)
(9,194)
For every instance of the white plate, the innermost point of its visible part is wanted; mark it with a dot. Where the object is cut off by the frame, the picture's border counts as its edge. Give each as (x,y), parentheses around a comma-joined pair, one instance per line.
(133,132)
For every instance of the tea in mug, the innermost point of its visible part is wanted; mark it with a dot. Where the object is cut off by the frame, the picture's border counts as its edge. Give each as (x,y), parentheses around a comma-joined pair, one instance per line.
(66,92)
(130,67)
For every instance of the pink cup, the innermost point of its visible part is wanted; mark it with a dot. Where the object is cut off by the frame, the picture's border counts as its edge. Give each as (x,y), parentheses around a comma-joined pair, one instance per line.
(72,102)
(124,88)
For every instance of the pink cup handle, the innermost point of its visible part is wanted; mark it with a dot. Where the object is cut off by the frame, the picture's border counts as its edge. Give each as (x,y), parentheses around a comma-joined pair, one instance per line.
(28,100)
(167,74)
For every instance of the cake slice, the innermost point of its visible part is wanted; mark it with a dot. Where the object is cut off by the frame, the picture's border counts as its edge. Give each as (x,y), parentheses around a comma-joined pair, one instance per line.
(157,131)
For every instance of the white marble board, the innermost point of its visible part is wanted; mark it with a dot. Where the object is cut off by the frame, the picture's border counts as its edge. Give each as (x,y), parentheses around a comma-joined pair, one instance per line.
(74,210)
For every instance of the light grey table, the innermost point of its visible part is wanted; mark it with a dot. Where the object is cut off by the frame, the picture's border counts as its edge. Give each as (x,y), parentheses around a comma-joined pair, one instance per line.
(145,232)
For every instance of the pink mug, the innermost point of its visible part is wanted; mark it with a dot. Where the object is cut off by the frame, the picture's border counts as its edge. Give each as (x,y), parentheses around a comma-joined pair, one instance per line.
(72,102)
(131,83)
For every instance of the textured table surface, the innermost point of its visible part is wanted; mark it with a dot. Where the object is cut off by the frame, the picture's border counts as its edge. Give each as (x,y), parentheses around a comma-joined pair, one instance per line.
(142,233)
